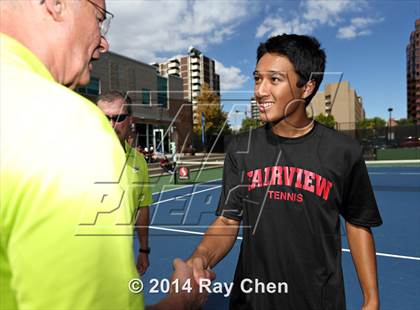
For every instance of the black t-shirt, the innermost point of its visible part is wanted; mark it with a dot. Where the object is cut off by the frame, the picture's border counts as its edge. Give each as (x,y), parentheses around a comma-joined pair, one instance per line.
(289,193)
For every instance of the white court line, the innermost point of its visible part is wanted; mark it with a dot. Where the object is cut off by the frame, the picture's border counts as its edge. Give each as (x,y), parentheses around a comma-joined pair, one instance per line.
(240,238)
(390,255)
(186,195)
(185,186)
(404,161)
(410,173)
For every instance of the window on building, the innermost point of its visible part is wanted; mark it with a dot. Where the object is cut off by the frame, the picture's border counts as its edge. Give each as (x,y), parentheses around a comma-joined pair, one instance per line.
(92,88)
(162,91)
(145,94)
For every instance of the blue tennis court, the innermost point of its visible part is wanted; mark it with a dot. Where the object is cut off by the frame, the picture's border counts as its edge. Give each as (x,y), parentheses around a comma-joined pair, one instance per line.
(179,217)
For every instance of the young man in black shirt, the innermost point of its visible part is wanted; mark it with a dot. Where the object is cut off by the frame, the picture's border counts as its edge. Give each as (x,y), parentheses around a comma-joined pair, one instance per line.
(288,182)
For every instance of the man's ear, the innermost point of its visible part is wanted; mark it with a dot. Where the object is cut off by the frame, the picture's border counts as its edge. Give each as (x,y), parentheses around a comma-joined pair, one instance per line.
(309,89)
(55,9)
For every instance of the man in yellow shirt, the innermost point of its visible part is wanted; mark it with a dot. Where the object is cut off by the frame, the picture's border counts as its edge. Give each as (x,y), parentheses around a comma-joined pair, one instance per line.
(65,231)
(117,108)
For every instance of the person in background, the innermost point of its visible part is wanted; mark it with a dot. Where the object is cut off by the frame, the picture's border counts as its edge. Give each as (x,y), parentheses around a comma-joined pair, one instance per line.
(118,109)
(166,165)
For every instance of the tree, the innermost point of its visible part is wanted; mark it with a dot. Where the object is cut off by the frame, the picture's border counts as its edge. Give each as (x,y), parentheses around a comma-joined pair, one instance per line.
(405,122)
(371,123)
(249,123)
(208,102)
(327,120)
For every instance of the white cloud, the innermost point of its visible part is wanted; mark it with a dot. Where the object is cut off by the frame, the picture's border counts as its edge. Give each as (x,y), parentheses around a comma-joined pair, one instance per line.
(277,25)
(149,30)
(314,14)
(358,27)
(363,22)
(329,12)
(231,78)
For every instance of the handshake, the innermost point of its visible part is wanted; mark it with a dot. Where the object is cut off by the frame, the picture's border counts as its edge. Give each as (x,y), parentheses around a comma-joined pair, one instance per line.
(186,273)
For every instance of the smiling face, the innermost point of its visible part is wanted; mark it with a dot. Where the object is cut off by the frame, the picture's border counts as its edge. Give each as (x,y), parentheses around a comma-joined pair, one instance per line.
(275,86)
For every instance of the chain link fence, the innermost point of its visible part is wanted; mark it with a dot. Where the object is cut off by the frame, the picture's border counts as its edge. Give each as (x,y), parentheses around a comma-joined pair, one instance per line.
(375,140)
(403,140)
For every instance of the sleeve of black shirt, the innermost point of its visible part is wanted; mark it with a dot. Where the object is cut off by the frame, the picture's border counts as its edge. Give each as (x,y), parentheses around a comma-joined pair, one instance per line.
(230,203)
(359,205)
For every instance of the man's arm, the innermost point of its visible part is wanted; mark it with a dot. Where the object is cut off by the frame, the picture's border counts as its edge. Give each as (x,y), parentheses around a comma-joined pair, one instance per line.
(217,242)
(142,227)
(362,247)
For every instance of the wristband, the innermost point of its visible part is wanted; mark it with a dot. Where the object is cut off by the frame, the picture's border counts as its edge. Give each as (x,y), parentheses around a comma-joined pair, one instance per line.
(146,251)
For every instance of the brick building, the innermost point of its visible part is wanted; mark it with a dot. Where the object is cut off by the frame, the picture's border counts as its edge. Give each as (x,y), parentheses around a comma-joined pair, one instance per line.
(413,75)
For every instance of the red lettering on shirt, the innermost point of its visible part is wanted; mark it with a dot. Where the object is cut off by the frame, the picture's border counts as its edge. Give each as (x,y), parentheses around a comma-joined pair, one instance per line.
(289,176)
(323,186)
(257,178)
(309,177)
(289,173)
(276,175)
(298,183)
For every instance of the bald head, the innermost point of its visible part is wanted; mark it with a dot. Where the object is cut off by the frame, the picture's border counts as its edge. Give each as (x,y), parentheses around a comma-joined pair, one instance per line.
(64,34)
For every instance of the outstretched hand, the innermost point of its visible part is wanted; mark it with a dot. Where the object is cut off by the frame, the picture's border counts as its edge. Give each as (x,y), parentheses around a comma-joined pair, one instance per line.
(200,269)
(188,287)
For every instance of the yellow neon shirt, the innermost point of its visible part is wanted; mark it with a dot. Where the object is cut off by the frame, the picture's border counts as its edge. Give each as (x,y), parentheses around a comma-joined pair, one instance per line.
(138,178)
(61,195)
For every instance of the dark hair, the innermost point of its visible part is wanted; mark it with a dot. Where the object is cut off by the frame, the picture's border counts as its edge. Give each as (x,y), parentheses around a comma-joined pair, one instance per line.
(115,95)
(304,52)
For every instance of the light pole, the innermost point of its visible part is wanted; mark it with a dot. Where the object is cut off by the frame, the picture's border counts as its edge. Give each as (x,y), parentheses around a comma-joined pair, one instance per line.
(389,124)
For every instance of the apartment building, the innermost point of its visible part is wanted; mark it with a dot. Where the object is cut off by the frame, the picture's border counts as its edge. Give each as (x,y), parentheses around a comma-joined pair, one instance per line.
(195,69)
(340,101)
(413,74)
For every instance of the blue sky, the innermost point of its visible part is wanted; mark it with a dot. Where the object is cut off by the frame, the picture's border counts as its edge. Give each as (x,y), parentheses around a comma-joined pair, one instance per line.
(365,40)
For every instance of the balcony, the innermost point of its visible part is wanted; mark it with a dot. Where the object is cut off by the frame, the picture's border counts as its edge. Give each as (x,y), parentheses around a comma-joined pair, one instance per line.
(172,65)
(196,87)
(194,60)
(196,81)
(174,71)
(195,74)
(195,68)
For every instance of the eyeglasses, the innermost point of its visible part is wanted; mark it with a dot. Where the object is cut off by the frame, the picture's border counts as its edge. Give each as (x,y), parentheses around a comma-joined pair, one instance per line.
(105,21)
(117,118)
